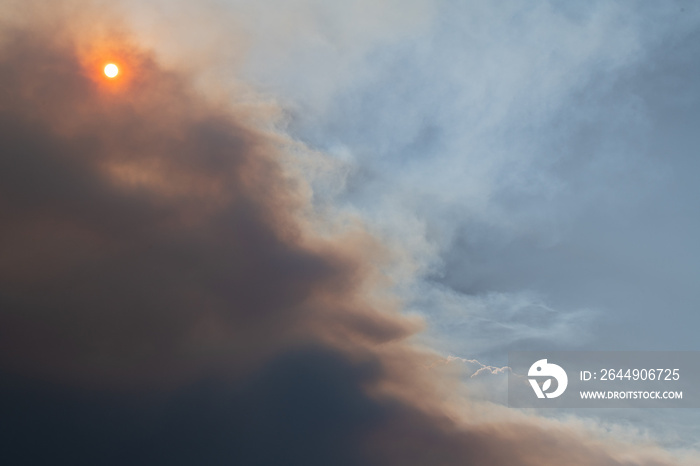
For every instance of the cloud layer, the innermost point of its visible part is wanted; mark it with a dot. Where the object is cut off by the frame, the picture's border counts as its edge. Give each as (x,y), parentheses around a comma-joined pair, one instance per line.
(165,296)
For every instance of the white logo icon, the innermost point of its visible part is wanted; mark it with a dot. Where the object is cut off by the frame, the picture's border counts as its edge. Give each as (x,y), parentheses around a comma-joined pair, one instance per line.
(543,369)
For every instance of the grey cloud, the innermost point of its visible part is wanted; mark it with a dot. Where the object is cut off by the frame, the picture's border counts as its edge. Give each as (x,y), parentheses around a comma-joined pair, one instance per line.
(164,298)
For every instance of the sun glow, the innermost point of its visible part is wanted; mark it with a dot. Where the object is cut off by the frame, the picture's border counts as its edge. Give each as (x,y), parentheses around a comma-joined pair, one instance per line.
(111,70)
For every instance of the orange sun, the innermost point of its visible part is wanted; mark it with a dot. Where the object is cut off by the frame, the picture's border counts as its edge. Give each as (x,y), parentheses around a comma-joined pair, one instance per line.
(111,70)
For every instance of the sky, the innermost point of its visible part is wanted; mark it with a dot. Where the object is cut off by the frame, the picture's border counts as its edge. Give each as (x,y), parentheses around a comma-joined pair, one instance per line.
(289,232)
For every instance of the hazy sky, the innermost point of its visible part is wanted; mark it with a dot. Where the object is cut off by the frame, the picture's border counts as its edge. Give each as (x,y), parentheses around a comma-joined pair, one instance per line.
(267,238)
(536,158)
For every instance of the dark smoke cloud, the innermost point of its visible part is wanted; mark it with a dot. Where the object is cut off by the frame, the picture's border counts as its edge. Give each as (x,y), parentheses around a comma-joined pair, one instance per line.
(162,300)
